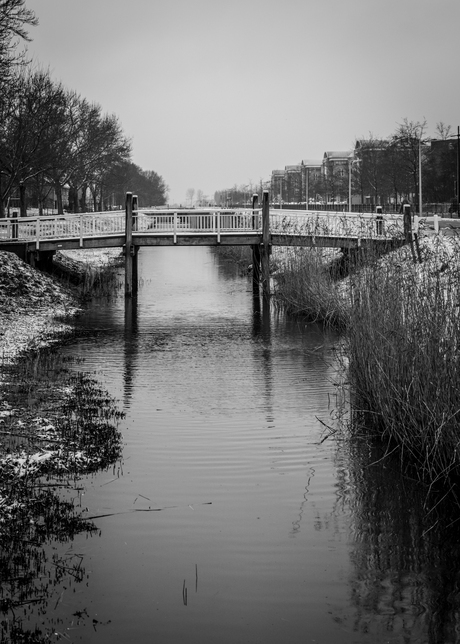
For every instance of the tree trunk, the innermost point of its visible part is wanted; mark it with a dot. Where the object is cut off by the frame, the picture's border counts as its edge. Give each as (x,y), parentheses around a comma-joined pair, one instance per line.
(2,202)
(22,200)
(58,191)
(73,199)
(83,198)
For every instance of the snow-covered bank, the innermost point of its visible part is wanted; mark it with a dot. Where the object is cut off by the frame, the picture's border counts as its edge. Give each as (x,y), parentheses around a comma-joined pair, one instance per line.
(35,308)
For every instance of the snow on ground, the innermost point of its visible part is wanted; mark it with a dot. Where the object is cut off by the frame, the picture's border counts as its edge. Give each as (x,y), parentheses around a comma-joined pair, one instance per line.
(34,307)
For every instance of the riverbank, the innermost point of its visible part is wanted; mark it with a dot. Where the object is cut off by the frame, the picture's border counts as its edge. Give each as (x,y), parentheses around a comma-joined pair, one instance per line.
(55,425)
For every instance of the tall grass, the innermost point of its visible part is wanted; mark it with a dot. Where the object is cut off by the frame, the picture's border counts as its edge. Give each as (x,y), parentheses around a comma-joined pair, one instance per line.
(403,342)
(401,323)
(304,284)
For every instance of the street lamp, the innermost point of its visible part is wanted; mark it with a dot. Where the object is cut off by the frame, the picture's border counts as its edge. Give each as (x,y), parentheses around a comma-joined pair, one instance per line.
(351,163)
(457,182)
(420,207)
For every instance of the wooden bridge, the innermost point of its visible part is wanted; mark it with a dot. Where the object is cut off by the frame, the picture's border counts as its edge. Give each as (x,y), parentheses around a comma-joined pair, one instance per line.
(36,239)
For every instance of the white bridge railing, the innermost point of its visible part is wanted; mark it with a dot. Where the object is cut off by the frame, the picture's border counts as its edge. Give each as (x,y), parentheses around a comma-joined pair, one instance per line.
(335,224)
(200,222)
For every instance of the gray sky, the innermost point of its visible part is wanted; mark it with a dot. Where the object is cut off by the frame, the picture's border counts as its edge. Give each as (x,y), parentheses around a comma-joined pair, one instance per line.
(214,93)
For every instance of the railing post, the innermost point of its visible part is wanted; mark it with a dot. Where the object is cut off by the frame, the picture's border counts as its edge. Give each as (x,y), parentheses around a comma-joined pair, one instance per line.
(14,225)
(255,216)
(379,221)
(265,245)
(128,245)
(135,207)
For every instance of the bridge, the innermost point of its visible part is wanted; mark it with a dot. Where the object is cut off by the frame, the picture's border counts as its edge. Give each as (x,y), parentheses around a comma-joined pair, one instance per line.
(36,239)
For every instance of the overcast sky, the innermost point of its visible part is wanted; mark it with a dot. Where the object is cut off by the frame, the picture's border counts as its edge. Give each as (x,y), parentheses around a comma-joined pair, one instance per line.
(214,93)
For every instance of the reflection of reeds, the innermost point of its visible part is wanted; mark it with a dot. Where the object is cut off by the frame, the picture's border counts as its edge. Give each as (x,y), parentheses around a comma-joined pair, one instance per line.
(60,416)
(99,282)
(405,554)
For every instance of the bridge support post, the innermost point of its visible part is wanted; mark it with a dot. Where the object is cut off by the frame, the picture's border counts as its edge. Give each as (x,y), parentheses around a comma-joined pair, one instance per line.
(255,269)
(255,250)
(135,250)
(265,245)
(129,245)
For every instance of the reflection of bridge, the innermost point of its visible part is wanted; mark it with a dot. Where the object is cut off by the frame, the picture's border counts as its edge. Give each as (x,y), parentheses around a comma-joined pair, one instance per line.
(38,238)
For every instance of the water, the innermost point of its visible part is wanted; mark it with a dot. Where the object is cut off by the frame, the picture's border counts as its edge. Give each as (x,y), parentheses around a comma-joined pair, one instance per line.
(230,519)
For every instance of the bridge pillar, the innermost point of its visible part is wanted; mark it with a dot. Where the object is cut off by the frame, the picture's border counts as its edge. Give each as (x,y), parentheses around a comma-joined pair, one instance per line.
(129,249)
(265,245)
(135,251)
(255,249)
(255,268)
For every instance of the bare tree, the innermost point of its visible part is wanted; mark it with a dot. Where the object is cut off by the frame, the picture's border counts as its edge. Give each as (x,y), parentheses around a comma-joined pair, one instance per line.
(405,146)
(200,198)
(189,196)
(14,20)
(25,151)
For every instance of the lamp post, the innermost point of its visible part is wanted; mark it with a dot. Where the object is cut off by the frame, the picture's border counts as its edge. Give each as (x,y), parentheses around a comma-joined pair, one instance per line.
(457,181)
(457,191)
(349,185)
(420,207)
(351,163)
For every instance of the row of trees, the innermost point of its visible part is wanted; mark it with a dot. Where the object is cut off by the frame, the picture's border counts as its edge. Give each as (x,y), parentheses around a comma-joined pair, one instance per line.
(54,144)
(378,171)
(386,170)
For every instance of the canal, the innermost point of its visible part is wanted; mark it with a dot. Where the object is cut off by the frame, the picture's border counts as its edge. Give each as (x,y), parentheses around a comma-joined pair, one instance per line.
(234,514)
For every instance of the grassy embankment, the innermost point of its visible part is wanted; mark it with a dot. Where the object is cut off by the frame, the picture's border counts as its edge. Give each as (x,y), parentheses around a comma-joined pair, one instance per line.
(401,344)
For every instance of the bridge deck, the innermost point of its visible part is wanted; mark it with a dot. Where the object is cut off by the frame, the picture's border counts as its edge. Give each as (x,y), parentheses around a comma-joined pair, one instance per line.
(199,227)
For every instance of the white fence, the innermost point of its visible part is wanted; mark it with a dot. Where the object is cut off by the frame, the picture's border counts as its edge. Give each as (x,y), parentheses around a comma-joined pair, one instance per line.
(208,222)
(335,224)
(80,226)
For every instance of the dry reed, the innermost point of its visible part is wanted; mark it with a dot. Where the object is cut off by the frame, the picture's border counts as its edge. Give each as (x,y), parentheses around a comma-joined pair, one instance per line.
(403,347)
(401,323)
(305,285)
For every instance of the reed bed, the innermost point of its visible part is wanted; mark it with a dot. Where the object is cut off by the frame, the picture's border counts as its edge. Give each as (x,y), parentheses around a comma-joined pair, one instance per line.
(305,284)
(401,342)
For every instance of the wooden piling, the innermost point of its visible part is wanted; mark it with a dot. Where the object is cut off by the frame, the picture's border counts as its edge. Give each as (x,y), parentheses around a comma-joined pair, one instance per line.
(129,245)
(255,249)
(265,245)
(135,251)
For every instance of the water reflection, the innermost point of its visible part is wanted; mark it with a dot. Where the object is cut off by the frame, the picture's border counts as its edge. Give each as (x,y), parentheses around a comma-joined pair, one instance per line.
(294,537)
(405,584)
(130,347)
